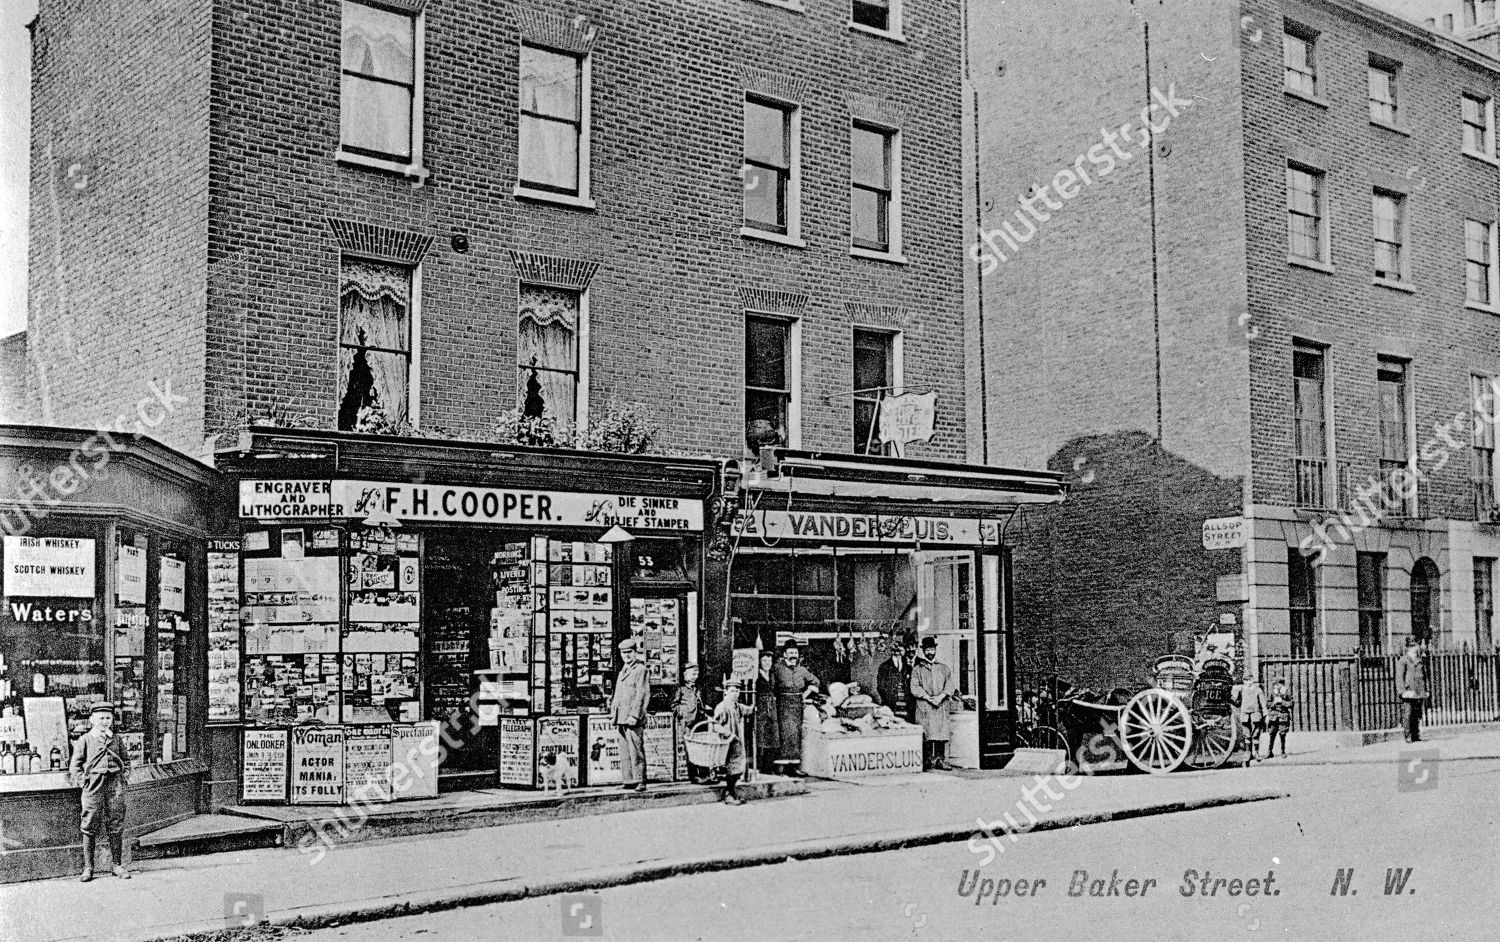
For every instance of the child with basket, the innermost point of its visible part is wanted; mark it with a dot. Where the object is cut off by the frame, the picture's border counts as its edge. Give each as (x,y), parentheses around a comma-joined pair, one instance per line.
(729,721)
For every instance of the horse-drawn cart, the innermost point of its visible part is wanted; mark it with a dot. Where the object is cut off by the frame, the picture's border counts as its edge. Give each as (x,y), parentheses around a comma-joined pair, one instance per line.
(1185,719)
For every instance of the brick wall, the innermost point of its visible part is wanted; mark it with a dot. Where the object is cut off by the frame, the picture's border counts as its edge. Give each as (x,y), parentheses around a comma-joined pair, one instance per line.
(1077,319)
(15,405)
(119,189)
(666,314)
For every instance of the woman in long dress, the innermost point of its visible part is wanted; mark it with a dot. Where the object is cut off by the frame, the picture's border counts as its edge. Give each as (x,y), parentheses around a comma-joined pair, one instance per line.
(767,738)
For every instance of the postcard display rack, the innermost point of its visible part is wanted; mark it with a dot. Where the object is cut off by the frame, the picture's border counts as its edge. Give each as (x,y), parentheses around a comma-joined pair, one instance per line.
(348,687)
(552,651)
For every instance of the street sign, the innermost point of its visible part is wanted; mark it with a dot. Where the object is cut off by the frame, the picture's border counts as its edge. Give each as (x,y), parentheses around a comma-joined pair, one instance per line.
(1221,533)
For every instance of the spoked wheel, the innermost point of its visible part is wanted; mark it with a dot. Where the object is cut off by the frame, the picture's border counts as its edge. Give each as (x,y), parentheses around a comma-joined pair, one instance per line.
(1213,741)
(1156,731)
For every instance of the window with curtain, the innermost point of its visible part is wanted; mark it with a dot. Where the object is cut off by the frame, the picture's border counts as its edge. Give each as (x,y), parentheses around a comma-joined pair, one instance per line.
(379,81)
(547,353)
(551,119)
(374,340)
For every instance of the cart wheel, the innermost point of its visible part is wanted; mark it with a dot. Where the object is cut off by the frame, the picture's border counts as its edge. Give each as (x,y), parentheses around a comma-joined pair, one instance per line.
(1156,731)
(1213,741)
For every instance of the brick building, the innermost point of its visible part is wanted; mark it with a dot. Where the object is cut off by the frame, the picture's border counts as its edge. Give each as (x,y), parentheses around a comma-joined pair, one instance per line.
(1267,304)
(219,135)
(300,240)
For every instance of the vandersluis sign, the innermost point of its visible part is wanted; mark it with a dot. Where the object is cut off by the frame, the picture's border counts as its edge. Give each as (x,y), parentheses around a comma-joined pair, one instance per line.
(284,499)
(868,528)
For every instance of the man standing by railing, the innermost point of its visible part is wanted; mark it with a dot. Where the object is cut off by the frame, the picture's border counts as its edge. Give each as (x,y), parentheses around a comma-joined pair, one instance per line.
(1411,680)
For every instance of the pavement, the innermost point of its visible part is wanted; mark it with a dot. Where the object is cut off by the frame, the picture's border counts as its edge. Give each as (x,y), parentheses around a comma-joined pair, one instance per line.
(384,878)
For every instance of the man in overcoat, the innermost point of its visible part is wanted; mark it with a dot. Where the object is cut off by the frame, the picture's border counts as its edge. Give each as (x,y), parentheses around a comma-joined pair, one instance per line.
(932,688)
(1411,681)
(893,683)
(627,710)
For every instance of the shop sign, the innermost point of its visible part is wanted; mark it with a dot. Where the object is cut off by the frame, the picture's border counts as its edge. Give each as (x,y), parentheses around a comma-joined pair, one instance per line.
(302,499)
(868,528)
(317,765)
(874,755)
(264,765)
(908,418)
(131,577)
(414,760)
(517,751)
(1222,533)
(173,585)
(49,566)
(49,611)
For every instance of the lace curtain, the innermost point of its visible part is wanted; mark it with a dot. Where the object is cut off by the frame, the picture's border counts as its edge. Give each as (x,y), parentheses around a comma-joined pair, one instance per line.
(547,350)
(374,339)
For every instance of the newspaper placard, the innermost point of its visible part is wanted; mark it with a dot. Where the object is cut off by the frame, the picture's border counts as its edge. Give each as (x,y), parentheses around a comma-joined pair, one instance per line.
(517,751)
(559,736)
(318,765)
(660,747)
(265,764)
(604,751)
(414,760)
(367,766)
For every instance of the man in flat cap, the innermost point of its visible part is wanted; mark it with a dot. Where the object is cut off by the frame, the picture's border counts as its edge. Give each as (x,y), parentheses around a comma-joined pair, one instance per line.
(932,688)
(627,710)
(100,769)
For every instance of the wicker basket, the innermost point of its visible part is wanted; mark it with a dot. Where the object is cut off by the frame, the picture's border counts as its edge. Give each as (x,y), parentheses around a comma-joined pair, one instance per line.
(706,748)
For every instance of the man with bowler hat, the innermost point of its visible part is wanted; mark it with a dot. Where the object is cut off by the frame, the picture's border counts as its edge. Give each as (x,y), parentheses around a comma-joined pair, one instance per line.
(932,688)
(627,710)
(99,768)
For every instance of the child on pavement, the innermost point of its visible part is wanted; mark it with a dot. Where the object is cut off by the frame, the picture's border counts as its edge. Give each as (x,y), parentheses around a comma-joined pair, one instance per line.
(1281,716)
(688,705)
(99,768)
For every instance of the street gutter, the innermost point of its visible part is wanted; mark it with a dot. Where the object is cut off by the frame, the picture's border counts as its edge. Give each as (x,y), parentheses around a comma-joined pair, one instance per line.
(512,890)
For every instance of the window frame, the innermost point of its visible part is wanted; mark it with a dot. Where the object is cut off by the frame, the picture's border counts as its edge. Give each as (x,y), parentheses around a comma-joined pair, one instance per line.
(1402,274)
(790,233)
(1486,105)
(895,366)
(1491,265)
(413,338)
(793,393)
(895,20)
(1484,436)
(1320,206)
(1484,604)
(893,250)
(1309,39)
(1306,643)
(1407,460)
(1392,71)
(1370,600)
(580,419)
(583,198)
(413,167)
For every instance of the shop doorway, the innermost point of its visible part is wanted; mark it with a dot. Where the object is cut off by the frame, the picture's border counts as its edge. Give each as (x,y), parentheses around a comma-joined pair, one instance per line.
(456,598)
(945,610)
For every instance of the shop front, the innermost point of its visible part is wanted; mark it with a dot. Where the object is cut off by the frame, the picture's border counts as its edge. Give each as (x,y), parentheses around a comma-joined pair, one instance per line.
(102,599)
(866,562)
(417,616)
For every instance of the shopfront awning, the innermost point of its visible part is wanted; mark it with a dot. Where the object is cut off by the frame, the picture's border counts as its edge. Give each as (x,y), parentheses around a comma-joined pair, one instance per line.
(893,501)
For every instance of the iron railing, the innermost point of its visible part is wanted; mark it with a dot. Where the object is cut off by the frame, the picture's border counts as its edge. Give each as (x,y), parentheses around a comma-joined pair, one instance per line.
(1358,691)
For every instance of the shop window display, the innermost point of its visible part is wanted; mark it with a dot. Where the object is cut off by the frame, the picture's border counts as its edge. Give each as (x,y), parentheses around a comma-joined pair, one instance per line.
(132,620)
(52,649)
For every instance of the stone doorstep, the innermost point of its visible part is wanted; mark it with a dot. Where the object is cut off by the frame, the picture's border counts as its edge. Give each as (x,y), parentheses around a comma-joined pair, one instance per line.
(1371,737)
(245,827)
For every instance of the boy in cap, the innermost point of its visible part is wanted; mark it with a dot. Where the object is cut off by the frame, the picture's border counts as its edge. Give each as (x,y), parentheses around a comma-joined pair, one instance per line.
(627,710)
(99,768)
(687,704)
(729,720)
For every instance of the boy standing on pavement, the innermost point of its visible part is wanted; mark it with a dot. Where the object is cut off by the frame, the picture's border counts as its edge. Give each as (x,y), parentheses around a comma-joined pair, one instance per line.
(1281,717)
(687,705)
(1411,679)
(99,768)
